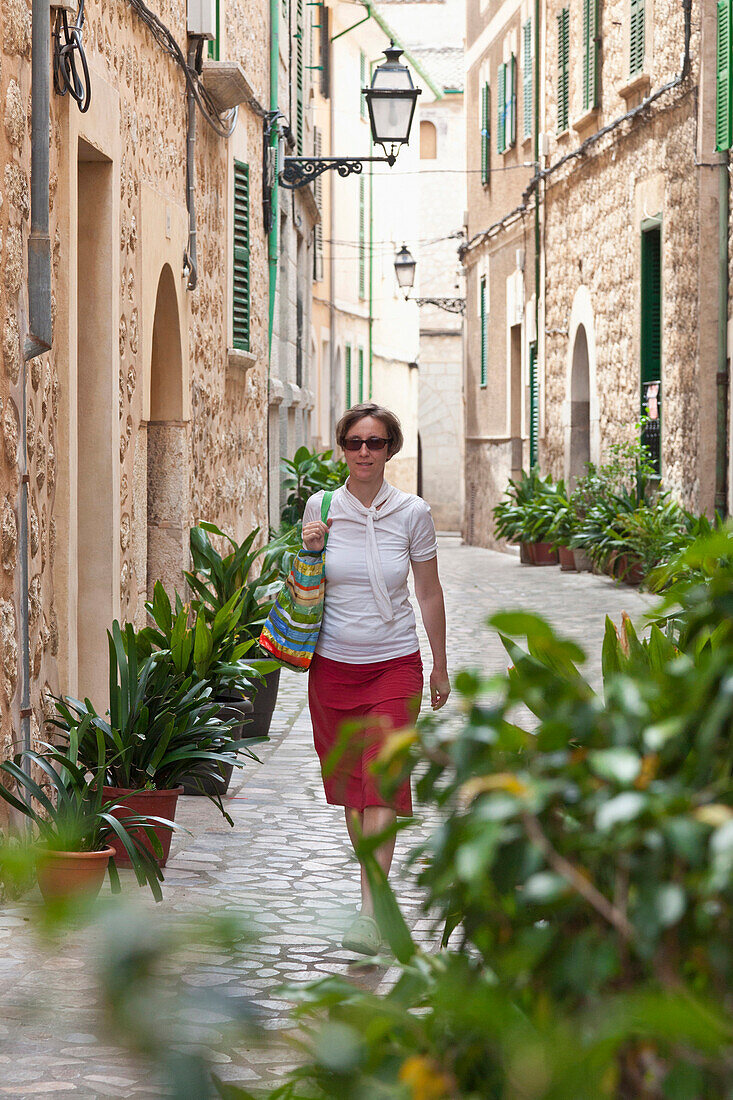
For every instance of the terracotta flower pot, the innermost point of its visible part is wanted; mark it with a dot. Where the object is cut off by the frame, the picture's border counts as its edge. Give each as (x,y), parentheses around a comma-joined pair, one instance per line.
(148,804)
(543,554)
(567,559)
(72,874)
(525,553)
(629,569)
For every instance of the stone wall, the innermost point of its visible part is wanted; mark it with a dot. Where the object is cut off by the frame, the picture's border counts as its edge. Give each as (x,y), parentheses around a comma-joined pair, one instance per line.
(138,119)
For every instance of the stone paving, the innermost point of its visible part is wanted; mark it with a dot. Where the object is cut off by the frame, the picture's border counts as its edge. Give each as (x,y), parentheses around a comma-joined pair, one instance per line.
(286,863)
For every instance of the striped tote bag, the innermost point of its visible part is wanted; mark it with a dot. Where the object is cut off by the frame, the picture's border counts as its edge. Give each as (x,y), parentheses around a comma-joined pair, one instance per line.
(291,629)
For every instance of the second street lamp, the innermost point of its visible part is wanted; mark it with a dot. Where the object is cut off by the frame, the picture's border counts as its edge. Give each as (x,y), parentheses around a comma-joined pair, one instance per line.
(391,100)
(404,269)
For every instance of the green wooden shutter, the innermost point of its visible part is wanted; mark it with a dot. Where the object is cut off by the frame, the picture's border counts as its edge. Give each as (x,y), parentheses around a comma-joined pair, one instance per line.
(347,364)
(591,47)
(361,374)
(240,267)
(363,81)
(534,405)
(362,237)
(484,375)
(501,110)
(510,126)
(485,134)
(563,69)
(528,82)
(637,37)
(724,102)
(299,79)
(214,44)
(651,304)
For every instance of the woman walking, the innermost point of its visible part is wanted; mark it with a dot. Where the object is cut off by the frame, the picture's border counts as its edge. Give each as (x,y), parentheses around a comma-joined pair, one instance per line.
(367,668)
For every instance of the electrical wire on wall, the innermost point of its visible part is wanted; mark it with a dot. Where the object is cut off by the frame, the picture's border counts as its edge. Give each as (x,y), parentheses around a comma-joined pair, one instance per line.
(221,124)
(66,50)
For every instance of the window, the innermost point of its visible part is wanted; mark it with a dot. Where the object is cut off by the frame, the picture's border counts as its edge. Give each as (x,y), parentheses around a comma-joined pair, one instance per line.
(214,44)
(363,78)
(651,338)
(528,85)
(534,405)
(724,102)
(637,37)
(324,49)
(507,104)
(591,46)
(484,323)
(362,237)
(299,78)
(240,267)
(347,366)
(428,141)
(485,134)
(361,375)
(563,69)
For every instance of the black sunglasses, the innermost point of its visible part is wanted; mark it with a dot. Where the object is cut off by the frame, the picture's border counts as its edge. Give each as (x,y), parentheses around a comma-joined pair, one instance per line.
(374,443)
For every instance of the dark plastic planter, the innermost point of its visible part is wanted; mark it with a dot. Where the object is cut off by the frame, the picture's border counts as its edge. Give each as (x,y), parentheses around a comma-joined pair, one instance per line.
(199,781)
(264,698)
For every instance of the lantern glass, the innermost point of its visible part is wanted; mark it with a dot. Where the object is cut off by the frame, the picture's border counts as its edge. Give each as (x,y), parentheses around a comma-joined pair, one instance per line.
(391,101)
(404,266)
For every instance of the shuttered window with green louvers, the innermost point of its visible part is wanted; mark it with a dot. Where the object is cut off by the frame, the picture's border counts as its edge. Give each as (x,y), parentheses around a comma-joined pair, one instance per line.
(637,37)
(214,44)
(528,81)
(347,368)
(362,84)
(361,374)
(241,288)
(485,135)
(651,304)
(501,109)
(724,100)
(534,405)
(591,47)
(563,69)
(484,321)
(299,79)
(362,237)
(510,102)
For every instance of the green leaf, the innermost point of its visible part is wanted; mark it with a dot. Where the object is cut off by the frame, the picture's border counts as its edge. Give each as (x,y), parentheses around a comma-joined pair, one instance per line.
(617,765)
(623,808)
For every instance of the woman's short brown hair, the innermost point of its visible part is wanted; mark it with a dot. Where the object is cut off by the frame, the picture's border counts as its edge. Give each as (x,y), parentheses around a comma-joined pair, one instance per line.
(368,408)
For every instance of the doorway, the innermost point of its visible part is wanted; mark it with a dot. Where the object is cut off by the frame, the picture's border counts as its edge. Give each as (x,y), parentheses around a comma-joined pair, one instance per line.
(579,407)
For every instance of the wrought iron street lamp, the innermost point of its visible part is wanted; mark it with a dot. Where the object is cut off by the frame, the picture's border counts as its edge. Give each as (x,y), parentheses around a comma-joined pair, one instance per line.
(404,267)
(391,100)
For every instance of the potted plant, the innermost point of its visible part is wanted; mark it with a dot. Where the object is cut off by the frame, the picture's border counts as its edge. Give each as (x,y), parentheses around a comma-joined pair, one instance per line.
(208,650)
(306,473)
(161,723)
(79,833)
(217,580)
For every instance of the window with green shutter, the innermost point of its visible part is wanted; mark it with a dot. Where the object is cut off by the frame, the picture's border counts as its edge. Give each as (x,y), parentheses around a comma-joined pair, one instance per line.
(362,237)
(240,266)
(724,101)
(637,37)
(214,44)
(485,135)
(361,374)
(363,79)
(528,82)
(299,78)
(651,338)
(534,405)
(591,47)
(510,102)
(563,70)
(484,322)
(501,109)
(347,367)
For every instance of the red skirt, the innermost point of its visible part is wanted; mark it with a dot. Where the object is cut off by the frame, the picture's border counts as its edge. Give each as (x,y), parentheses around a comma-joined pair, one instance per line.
(353,709)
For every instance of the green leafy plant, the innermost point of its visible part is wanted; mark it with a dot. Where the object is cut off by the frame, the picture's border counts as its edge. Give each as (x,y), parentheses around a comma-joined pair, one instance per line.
(161,723)
(70,813)
(282,548)
(528,510)
(307,473)
(230,580)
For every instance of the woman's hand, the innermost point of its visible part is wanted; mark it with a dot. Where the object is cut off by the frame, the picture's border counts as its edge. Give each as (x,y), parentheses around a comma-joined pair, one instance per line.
(314,534)
(439,688)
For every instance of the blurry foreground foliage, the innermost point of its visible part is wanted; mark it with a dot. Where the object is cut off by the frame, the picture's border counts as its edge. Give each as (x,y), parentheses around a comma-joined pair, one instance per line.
(581,874)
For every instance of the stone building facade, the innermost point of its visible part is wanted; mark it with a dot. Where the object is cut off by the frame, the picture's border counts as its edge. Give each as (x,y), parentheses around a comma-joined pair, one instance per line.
(149,411)
(499,253)
(629,268)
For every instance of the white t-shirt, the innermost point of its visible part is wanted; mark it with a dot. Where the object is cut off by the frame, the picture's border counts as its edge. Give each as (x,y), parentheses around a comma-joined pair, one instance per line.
(353,629)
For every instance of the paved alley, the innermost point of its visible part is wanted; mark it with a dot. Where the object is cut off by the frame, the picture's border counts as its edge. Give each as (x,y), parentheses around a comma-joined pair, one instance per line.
(286,863)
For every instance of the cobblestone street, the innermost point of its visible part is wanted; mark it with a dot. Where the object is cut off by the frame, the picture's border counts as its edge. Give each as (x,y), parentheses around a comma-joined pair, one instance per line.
(286,863)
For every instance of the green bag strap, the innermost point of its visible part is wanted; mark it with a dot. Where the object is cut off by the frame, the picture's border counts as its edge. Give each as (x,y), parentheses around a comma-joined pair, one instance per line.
(325,508)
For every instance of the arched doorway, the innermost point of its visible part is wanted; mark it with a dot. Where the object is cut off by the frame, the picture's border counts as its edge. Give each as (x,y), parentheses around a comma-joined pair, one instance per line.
(167,446)
(579,407)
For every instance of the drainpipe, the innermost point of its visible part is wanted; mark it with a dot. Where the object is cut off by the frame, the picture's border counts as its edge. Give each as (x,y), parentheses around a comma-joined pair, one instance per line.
(371,277)
(721,442)
(274,193)
(332,356)
(194,52)
(537,235)
(38,338)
